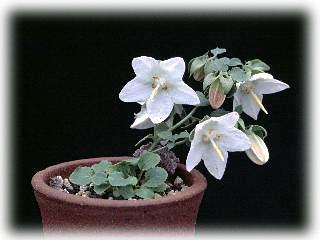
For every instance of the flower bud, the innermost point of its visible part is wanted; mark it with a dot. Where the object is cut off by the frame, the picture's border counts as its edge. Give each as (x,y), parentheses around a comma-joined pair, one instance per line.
(258,152)
(198,75)
(216,95)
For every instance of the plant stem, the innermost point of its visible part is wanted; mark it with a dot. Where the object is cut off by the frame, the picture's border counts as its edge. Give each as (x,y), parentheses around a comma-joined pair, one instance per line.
(178,124)
(140,175)
(176,144)
(144,138)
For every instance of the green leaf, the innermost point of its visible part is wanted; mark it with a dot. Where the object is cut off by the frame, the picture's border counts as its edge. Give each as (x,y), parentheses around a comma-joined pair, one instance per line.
(165,134)
(101,166)
(218,51)
(257,65)
(232,91)
(170,145)
(117,179)
(99,189)
(132,161)
(238,74)
(227,84)
(180,135)
(234,62)
(241,124)
(203,100)
(161,127)
(123,166)
(190,63)
(225,60)
(155,177)
(161,188)
(208,80)
(206,117)
(126,192)
(216,65)
(178,109)
(191,136)
(145,193)
(81,176)
(219,112)
(111,168)
(238,109)
(99,178)
(148,160)
(258,130)
(197,63)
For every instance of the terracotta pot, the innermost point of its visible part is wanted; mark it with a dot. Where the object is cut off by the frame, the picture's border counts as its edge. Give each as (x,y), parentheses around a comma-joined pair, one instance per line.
(67,212)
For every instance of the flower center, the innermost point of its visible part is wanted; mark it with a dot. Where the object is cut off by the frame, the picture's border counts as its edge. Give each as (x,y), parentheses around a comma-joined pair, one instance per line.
(212,137)
(248,88)
(157,83)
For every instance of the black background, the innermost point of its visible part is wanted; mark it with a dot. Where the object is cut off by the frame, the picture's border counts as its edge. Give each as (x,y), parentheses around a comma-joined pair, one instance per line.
(67,73)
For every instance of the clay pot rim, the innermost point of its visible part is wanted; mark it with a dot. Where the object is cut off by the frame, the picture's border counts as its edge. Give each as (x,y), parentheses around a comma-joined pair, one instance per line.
(39,185)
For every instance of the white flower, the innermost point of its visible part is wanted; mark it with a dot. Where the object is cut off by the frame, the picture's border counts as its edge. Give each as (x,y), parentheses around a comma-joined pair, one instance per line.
(249,93)
(258,152)
(212,141)
(158,84)
(142,120)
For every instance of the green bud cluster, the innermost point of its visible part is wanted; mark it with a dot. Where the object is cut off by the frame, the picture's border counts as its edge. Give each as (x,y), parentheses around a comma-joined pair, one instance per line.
(223,72)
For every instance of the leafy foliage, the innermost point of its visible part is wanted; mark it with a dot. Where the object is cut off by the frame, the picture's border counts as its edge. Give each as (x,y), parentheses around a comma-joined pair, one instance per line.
(140,176)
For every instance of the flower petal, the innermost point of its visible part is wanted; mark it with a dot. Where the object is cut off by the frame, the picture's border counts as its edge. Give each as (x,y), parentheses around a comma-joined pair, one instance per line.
(227,120)
(249,106)
(160,107)
(213,163)
(234,140)
(142,120)
(195,153)
(144,67)
(135,90)
(236,100)
(174,67)
(261,75)
(268,86)
(181,93)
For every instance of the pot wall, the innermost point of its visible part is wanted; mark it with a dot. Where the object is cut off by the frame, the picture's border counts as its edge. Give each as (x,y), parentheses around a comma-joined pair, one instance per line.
(62,212)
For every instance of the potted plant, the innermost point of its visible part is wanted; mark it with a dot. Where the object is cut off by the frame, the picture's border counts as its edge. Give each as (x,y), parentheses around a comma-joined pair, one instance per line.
(152,189)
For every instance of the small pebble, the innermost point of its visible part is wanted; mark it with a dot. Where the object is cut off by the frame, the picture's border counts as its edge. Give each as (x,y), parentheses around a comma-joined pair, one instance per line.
(178,182)
(84,188)
(169,184)
(184,188)
(65,190)
(157,196)
(67,184)
(56,182)
(171,193)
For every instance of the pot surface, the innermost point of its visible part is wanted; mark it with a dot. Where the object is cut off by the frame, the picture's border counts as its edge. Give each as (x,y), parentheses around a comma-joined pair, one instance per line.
(63,212)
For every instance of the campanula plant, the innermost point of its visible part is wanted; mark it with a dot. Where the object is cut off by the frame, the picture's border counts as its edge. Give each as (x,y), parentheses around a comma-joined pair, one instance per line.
(169,106)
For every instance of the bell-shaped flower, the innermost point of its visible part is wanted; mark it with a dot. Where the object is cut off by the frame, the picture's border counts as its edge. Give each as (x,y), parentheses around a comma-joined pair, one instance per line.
(249,93)
(258,152)
(159,85)
(212,141)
